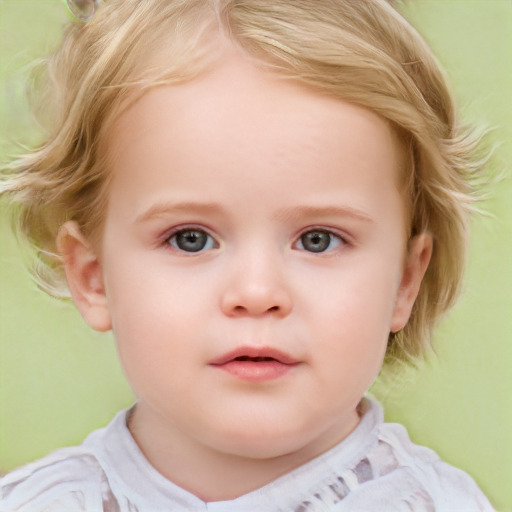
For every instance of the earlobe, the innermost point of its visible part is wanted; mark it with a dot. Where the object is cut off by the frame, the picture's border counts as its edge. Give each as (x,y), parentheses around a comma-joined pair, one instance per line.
(84,275)
(415,265)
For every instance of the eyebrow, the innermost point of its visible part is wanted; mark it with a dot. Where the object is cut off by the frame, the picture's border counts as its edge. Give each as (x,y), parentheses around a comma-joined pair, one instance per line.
(283,214)
(168,207)
(324,211)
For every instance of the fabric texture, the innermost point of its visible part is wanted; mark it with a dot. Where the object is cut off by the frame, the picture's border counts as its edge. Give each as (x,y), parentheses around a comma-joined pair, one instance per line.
(376,468)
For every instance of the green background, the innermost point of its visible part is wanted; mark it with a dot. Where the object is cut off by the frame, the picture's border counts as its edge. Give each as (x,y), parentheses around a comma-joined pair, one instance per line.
(59,380)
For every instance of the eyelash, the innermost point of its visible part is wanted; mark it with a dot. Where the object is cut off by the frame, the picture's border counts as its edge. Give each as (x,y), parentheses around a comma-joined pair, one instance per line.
(207,242)
(334,237)
(210,242)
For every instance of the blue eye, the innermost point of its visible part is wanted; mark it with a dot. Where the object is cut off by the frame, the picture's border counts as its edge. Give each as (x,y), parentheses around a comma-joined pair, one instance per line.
(319,240)
(191,240)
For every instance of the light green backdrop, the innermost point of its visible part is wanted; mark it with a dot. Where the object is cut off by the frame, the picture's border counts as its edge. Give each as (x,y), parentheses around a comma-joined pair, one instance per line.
(58,380)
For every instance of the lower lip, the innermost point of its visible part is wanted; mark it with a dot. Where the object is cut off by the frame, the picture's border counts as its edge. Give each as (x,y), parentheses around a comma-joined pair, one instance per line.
(256,371)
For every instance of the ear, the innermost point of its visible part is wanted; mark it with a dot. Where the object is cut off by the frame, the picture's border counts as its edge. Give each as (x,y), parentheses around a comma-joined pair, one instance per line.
(84,275)
(416,262)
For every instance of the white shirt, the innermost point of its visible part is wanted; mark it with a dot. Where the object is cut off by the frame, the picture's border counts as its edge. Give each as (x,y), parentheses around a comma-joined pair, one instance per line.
(376,468)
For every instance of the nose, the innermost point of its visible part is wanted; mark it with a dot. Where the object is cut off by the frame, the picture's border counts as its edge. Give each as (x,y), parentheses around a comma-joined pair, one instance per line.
(256,287)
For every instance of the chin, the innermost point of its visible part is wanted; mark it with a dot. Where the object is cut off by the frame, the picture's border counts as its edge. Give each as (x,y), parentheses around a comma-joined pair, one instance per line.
(267,442)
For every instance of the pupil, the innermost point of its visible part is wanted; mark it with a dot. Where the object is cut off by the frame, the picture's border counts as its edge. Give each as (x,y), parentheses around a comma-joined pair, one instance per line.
(316,241)
(191,241)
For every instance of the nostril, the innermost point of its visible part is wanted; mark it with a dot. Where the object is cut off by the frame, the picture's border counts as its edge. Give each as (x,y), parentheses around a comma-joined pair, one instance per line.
(243,309)
(255,300)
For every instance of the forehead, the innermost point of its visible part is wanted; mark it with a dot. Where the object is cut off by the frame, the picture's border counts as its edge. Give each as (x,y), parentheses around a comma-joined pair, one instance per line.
(240,97)
(237,120)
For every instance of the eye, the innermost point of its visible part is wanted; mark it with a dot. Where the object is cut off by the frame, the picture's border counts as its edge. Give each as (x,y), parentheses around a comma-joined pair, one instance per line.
(191,240)
(319,240)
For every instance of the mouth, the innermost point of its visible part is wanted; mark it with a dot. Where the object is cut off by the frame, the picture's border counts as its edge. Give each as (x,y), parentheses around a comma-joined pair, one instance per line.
(255,364)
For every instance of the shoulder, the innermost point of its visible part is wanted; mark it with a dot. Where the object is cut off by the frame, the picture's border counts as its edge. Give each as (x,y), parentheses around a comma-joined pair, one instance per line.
(448,488)
(68,479)
(71,479)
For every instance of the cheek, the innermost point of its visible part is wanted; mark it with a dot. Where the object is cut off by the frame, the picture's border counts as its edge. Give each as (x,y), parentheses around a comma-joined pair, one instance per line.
(354,348)
(350,318)
(154,321)
(358,298)
(154,348)
(351,356)
(145,293)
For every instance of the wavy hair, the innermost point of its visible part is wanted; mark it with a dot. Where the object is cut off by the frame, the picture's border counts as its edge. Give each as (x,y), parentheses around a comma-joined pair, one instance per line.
(362,51)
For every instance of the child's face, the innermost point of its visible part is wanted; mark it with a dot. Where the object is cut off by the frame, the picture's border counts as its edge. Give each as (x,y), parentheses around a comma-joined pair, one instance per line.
(253,262)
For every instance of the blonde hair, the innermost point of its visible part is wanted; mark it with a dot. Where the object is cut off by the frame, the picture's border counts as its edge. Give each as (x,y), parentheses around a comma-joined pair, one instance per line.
(362,51)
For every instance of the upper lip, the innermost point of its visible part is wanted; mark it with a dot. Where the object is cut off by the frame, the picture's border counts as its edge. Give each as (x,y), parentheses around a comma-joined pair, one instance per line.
(255,353)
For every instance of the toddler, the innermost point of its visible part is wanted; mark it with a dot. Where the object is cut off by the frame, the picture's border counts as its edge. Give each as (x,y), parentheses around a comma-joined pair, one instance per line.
(264,201)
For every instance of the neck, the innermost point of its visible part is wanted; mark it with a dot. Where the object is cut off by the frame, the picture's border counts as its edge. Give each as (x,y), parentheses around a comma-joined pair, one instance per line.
(217,475)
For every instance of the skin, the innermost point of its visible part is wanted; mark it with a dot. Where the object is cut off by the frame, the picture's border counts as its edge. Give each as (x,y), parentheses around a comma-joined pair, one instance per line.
(255,161)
